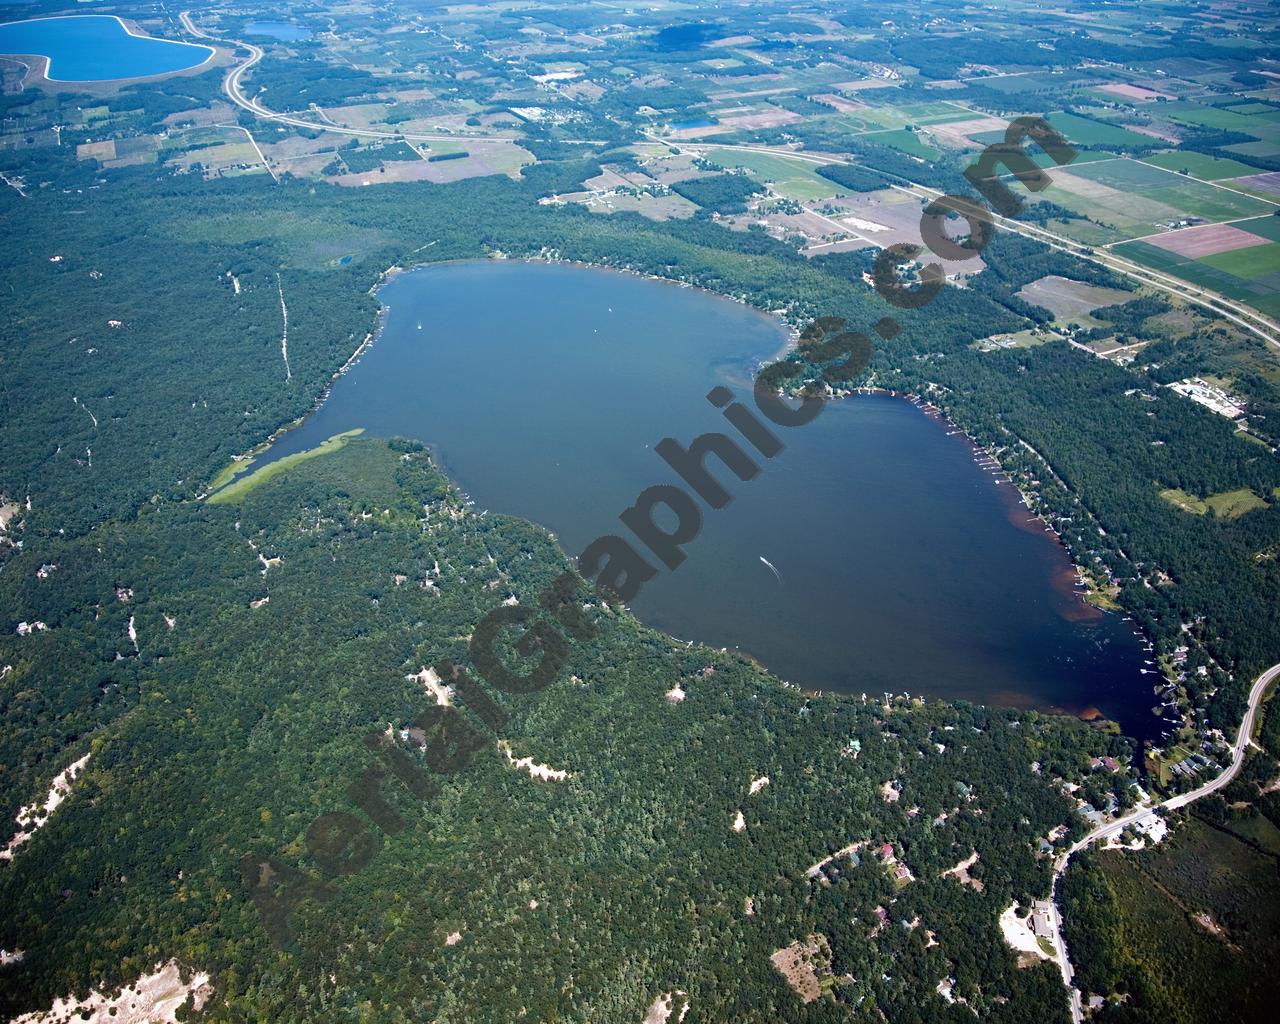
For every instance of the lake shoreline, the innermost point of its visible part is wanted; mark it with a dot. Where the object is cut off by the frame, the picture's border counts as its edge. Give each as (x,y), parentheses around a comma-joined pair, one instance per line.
(1060,580)
(39,65)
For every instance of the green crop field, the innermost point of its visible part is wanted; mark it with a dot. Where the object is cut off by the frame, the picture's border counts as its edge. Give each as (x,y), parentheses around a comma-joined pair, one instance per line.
(1265,227)
(1253,262)
(1129,175)
(1084,131)
(906,142)
(791,178)
(1184,195)
(1259,149)
(1206,168)
(1260,289)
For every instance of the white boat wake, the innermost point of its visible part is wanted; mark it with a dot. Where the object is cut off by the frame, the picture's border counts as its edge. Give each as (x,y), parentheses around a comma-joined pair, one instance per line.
(772,568)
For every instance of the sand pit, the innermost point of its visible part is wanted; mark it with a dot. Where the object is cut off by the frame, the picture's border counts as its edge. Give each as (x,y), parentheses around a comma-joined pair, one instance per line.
(32,817)
(1018,934)
(537,771)
(152,999)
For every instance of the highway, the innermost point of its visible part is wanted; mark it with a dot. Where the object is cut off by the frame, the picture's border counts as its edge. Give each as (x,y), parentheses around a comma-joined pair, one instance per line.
(234,89)
(1241,315)
(1113,828)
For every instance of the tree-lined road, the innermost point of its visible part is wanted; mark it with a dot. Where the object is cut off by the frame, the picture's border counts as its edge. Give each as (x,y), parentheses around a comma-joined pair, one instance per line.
(234,89)
(1239,314)
(1113,828)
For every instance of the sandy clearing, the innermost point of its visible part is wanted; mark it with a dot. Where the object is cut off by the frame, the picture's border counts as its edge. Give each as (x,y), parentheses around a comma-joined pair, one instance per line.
(430,679)
(1018,933)
(740,823)
(284,316)
(152,999)
(537,771)
(33,816)
(758,784)
(1133,92)
(800,964)
(1065,298)
(8,509)
(659,1011)
(812,870)
(961,872)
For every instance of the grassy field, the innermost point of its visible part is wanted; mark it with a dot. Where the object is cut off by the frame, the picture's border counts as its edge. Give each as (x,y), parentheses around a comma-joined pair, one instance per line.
(1084,131)
(906,142)
(1206,168)
(1251,263)
(1260,148)
(1226,505)
(236,490)
(1210,117)
(791,178)
(1266,227)
(1179,192)
(1262,293)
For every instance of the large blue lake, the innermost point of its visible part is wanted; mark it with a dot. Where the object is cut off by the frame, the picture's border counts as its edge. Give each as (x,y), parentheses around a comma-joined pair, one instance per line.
(97,48)
(902,565)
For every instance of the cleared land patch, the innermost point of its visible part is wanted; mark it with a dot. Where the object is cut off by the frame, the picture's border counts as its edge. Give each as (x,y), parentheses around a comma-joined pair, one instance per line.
(1206,240)
(1065,298)
(1226,505)
(806,966)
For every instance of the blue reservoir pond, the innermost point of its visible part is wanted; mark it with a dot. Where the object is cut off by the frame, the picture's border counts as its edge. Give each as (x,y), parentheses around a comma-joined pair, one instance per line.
(901,564)
(97,48)
(284,31)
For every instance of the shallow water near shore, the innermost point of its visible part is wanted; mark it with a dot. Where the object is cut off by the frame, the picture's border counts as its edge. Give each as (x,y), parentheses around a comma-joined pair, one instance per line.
(901,564)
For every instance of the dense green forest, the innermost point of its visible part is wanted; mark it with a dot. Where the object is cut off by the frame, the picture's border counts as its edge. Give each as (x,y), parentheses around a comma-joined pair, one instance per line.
(639,881)
(232,669)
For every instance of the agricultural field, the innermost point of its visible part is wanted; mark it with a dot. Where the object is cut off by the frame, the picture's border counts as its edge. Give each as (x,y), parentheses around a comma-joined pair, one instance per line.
(1240,260)
(1198,165)
(1084,131)
(906,141)
(794,179)
(1227,505)
(1134,198)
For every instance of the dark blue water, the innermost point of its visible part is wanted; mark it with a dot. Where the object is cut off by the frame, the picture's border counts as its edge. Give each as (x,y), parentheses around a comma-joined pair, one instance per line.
(97,48)
(904,566)
(282,30)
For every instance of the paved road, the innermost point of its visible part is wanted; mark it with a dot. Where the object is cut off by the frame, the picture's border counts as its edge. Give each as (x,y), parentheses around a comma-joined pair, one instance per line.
(1241,315)
(235,92)
(1113,828)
